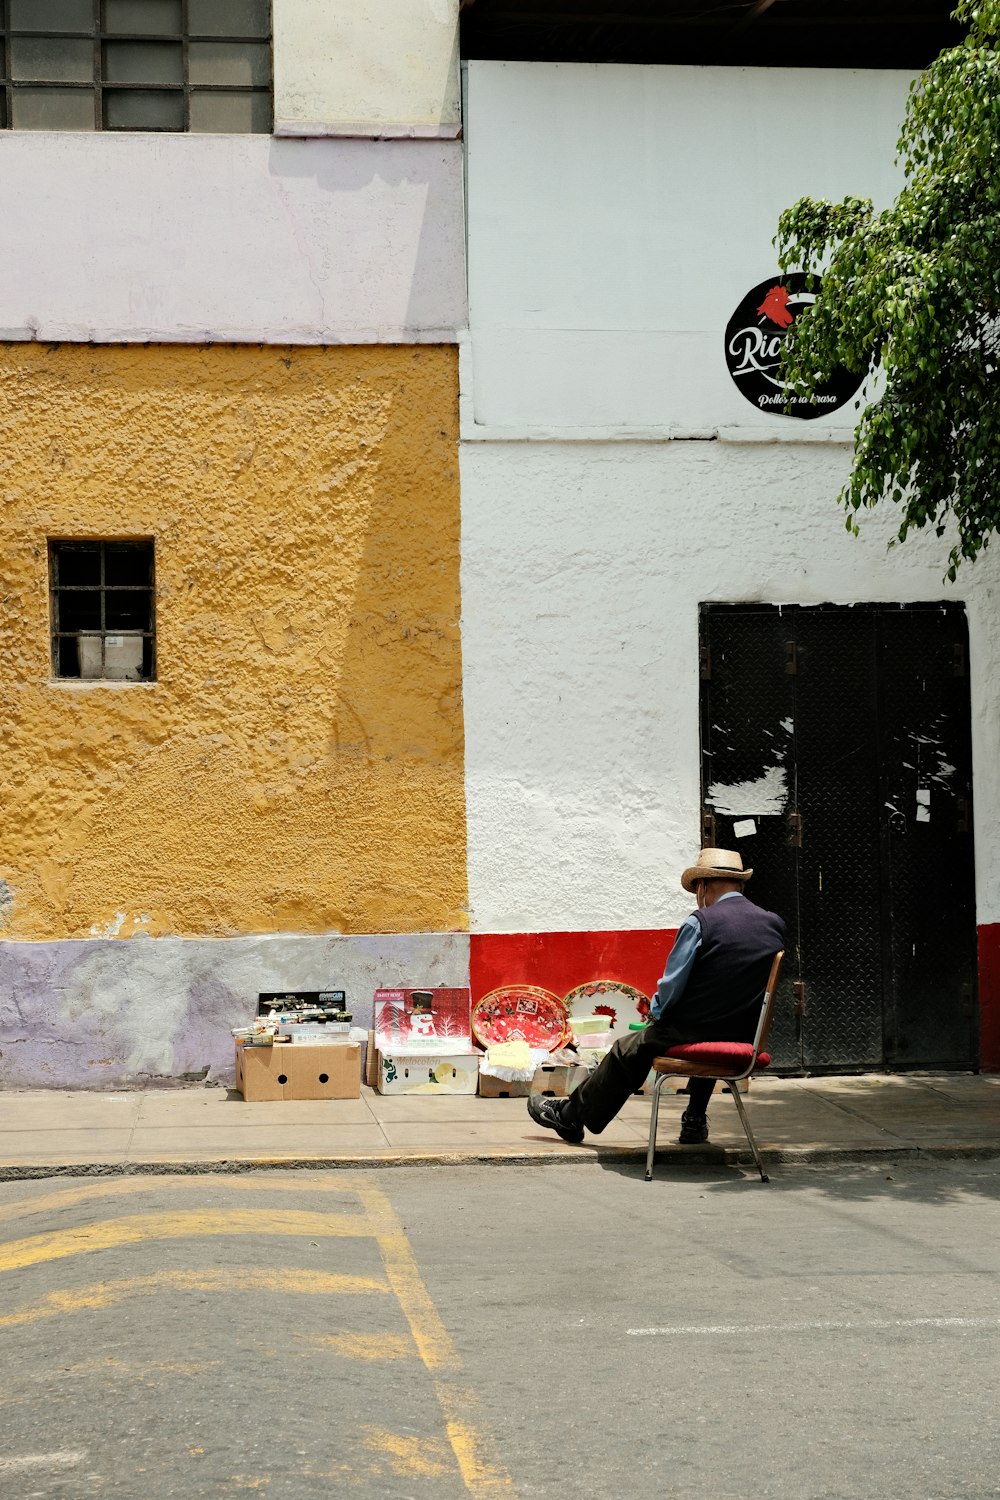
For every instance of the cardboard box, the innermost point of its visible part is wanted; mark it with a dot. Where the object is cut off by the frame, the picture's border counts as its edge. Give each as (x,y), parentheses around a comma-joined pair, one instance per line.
(371,1062)
(289,1072)
(555,1079)
(428,1073)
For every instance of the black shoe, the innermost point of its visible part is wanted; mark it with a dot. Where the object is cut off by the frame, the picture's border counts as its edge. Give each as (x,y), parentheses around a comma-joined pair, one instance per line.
(553,1114)
(694,1129)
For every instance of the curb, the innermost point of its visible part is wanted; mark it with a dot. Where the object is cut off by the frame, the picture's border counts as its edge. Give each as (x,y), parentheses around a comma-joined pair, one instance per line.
(665,1156)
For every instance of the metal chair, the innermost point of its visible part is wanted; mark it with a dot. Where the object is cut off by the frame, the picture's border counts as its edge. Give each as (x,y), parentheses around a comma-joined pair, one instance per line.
(726,1062)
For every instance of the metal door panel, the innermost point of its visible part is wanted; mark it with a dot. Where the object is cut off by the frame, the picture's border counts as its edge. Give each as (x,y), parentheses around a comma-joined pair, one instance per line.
(836,750)
(836,758)
(927,837)
(747,761)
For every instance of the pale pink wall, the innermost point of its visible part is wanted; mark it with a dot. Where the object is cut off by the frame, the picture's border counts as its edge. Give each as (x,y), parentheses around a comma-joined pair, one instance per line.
(187,238)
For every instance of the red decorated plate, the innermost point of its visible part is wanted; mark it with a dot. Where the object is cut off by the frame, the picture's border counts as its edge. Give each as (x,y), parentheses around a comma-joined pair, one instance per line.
(520,1012)
(621,1003)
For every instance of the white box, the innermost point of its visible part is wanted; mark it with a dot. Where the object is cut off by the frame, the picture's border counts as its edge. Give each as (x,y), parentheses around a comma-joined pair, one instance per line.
(428,1072)
(117,658)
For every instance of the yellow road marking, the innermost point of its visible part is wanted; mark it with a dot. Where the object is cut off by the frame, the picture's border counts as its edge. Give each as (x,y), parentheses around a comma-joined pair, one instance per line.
(483,1473)
(128,1186)
(109,1234)
(482,1470)
(433,1342)
(410,1457)
(368,1346)
(107,1293)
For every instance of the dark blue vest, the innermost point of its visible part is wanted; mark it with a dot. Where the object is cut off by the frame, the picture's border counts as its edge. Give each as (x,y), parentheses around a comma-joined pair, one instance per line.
(721,1000)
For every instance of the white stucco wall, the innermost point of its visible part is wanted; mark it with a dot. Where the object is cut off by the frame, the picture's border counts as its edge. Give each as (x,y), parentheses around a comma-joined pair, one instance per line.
(384,67)
(583,568)
(118,238)
(618,215)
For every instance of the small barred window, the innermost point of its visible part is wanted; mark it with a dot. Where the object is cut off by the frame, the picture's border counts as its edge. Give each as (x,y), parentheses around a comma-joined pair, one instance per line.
(103,622)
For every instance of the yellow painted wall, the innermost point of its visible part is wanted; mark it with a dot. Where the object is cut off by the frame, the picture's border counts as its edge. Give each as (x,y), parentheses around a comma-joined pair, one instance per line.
(298,764)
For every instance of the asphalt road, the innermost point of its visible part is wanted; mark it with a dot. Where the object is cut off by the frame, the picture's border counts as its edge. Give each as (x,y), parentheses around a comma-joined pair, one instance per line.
(503,1332)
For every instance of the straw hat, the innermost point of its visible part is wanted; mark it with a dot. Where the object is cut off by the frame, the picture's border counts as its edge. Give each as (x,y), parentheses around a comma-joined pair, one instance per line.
(715,864)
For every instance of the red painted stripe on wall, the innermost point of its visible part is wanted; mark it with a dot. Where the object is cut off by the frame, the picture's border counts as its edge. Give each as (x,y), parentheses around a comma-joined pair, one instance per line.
(559,961)
(989,997)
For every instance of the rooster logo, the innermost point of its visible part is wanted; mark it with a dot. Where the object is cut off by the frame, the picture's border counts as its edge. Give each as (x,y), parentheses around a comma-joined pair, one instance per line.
(775,307)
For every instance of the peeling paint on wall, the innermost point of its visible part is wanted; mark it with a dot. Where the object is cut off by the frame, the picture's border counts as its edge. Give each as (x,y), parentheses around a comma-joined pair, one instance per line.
(106,1014)
(764,798)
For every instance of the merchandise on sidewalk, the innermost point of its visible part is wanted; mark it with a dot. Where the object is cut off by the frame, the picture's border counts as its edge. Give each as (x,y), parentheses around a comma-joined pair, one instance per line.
(553,1073)
(288,1072)
(520,1012)
(621,1005)
(301,1045)
(425,1073)
(591,1037)
(424,1041)
(513,1061)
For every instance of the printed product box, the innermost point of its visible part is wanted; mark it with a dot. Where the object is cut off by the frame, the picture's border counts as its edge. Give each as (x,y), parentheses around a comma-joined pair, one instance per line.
(276,1002)
(288,1072)
(428,1073)
(424,1041)
(423,1020)
(555,1079)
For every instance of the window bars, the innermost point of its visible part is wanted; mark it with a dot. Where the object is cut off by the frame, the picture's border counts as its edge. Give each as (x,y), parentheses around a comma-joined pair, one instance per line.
(162,65)
(103,623)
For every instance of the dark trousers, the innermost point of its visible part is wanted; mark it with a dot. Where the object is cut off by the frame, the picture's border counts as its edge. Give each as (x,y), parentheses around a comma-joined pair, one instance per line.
(623,1070)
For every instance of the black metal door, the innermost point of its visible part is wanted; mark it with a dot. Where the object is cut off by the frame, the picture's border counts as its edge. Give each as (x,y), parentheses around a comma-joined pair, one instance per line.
(836,758)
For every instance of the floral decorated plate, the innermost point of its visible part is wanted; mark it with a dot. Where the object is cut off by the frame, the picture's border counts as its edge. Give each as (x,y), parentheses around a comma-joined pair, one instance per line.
(621,1003)
(520,1011)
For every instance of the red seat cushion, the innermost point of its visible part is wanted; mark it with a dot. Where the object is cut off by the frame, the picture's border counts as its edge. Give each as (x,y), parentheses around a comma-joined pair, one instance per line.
(729,1057)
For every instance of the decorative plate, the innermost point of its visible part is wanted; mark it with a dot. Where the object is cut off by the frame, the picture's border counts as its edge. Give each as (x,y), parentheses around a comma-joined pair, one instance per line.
(520,1011)
(621,1003)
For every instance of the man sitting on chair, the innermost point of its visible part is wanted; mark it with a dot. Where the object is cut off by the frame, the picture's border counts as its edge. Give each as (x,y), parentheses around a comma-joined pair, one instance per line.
(711,992)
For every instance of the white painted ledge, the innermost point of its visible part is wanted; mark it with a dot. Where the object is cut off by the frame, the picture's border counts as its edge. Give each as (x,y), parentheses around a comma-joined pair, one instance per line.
(372,130)
(477,433)
(802,432)
(307,334)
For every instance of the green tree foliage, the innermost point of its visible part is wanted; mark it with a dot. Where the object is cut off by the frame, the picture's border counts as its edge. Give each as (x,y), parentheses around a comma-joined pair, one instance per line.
(915,292)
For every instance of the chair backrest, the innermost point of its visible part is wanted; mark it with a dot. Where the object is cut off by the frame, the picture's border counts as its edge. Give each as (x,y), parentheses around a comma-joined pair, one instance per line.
(767,1008)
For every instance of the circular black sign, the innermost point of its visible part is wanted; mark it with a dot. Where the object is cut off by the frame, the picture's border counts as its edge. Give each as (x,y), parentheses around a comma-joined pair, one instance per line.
(754,337)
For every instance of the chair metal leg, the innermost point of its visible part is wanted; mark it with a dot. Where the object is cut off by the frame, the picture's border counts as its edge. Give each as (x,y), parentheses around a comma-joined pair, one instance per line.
(653,1115)
(734,1090)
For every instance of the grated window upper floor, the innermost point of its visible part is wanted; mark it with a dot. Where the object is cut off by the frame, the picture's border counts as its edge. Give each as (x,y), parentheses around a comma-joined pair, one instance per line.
(180,65)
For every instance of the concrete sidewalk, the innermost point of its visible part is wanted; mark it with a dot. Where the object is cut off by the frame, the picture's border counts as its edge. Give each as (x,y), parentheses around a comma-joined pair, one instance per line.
(210,1129)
